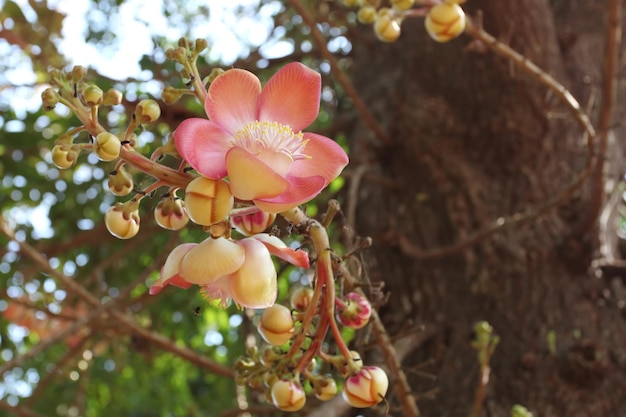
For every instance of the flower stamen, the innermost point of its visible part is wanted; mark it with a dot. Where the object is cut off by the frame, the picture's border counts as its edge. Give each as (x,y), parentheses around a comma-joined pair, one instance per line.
(257,137)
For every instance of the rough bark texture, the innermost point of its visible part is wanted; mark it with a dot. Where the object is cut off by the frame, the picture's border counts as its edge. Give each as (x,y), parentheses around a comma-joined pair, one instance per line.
(474,140)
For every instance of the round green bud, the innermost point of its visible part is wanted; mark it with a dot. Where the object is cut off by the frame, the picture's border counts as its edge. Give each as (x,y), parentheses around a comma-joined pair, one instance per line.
(112,97)
(49,98)
(92,95)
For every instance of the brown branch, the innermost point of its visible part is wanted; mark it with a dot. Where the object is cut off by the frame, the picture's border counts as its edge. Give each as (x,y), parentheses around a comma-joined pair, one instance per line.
(611,54)
(534,212)
(339,75)
(123,319)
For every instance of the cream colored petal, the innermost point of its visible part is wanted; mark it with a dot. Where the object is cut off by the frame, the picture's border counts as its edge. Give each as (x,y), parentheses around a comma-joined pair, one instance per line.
(254,284)
(210,260)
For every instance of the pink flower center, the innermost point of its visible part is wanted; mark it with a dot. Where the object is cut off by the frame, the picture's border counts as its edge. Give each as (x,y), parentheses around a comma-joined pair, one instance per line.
(260,137)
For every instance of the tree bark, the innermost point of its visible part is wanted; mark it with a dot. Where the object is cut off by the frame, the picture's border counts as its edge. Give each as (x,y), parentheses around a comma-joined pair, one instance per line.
(476,140)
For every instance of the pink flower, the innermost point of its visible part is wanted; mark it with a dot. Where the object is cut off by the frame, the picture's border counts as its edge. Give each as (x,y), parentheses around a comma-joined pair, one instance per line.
(242,271)
(254,137)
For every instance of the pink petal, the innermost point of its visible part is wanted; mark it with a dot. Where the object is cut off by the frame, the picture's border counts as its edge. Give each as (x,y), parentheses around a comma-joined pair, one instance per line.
(203,144)
(300,191)
(291,97)
(232,99)
(250,178)
(169,270)
(278,248)
(327,158)
(254,284)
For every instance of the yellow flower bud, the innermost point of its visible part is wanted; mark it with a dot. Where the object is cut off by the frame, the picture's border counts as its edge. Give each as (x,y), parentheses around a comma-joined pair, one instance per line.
(386,27)
(170,213)
(208,201)
(288,395)
(200,45)
(301,298)
(147,111)
(49,98)
(215,72)
(402,4)
(120,182)
(366,388)
(92,95)
(276,325)
(64,156)
(445,22)
(366,15)
(325,388)
(112,97)
(122,220)
(107,146)
(351,3)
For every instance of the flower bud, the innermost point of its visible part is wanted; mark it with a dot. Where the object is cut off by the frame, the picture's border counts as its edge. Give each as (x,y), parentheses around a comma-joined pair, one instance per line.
(215,72)
(147,111)
(366,15)
(366,388)
(288,395)
(342,365)
(92,95)
(78,73)
(120,182)
(170,213)
(107,146)
(64,156)
(200,45)
(276,325)
(357,311)
(351,3)
(445,21)
(122,220)
(112,97)
(402,4)
(386,27)
(325,388)
(252,224)
(301,298)
(170,95)
(49,98)
(208,201)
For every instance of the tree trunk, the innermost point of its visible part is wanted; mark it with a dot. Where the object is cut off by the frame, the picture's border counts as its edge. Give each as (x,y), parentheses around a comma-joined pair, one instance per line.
(474,139)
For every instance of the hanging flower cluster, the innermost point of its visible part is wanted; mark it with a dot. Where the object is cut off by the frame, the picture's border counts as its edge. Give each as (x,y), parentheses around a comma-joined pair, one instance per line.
(252,160)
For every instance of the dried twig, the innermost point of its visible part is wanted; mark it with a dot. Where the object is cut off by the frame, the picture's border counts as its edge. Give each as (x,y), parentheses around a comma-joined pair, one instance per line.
(339,75)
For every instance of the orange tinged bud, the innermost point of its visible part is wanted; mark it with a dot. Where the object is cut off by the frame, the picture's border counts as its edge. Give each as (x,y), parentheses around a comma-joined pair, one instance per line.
(208,201)
(288,395)
(276,325)
(445,21)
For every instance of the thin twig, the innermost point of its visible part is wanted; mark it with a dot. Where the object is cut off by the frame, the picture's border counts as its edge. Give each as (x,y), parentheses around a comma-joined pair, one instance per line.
(531,213)
(611,54)
(339,75)
(121,318)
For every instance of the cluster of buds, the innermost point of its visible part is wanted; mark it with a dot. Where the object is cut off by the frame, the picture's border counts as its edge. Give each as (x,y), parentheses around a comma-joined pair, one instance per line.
(444,19)
(270,369)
